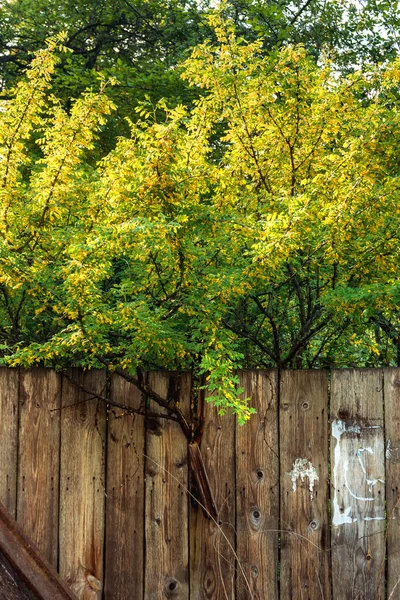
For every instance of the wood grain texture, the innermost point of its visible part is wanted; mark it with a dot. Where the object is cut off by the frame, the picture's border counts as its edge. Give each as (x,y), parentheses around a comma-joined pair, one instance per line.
(212,562)
(125,496)
(8,438)
(167,547)
(257,488)
(392,428)
(82,485)
(304,499)
(358,486)
(38,456)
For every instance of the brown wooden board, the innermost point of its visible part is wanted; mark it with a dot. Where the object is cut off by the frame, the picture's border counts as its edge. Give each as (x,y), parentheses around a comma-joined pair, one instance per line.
(125,496)
(8,438)
(212,544)
(392,427)
(82,484)
(166,484)
(304,486)
(358,486)
(38,456)
(257,488)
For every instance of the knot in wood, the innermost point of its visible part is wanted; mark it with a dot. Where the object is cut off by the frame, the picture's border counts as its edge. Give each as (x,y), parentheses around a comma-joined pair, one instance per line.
(171,587)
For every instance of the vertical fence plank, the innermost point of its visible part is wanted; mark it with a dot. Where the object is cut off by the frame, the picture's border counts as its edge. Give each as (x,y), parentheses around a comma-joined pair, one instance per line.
(166,534)
(39,450)
(125,496)
(304,485)
(257,487)
(83,430)
(8,438)
(212,560)
(392,427)
(358,487)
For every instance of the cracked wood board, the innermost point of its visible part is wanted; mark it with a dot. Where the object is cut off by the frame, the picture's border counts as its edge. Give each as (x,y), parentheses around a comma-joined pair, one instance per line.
(124,547)
(212,562)
(257,488)
(358,483)
(38,458)
(166,468)
(82,484)
(9,379)
(304,486)
(392,426)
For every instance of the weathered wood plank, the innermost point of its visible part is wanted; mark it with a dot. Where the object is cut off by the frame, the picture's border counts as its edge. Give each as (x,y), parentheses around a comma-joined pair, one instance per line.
(392,428)
(82,483)
(8,438)
(39,451)
(257,488)
(358,487)
(304,486)
(125,496)
(212,545)
(166,534)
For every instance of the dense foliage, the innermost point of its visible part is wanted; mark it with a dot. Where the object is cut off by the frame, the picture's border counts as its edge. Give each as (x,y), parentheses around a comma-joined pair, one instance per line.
(259,227)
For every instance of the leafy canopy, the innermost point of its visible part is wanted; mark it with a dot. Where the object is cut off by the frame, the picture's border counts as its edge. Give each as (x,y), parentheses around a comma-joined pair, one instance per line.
(259,228)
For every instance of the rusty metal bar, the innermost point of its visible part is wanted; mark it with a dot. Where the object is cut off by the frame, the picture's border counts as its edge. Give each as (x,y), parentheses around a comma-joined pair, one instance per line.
(34,570)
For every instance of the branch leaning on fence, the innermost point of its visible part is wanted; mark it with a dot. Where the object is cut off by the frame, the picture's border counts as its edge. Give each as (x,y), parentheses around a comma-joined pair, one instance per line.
(198,469)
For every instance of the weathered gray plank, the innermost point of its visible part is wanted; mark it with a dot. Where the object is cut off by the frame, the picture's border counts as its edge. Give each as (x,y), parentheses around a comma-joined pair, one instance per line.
(39,450)
(304,486)
(166,534)
(82,485)
(392,427)
(257,488)
(212,545)
(8,438)
(358,486)
(125,496)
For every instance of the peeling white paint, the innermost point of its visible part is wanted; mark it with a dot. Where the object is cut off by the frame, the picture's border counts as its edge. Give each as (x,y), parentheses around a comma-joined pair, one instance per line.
(388,450)
(340,517)
(303,468)
(339,427)
(370,482)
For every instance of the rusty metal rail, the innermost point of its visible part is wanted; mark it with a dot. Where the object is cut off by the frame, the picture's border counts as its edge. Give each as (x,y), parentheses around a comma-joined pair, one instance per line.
(33,570)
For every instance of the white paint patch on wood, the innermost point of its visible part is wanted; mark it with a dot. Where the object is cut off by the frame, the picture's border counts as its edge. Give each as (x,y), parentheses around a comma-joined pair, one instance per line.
(303,468)
(343,515)
(340,517)
(388,450)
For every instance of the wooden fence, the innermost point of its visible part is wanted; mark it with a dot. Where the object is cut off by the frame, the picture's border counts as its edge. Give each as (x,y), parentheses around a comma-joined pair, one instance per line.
(307,491)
